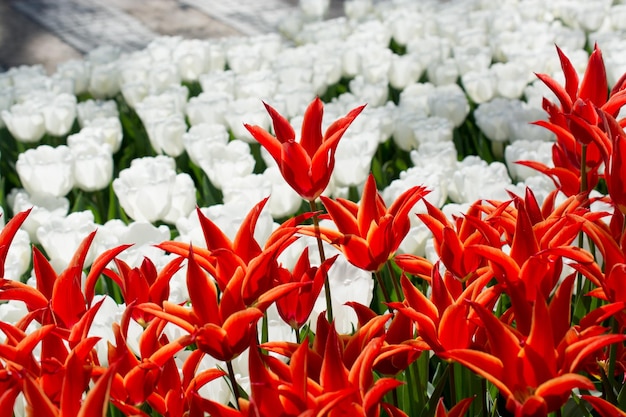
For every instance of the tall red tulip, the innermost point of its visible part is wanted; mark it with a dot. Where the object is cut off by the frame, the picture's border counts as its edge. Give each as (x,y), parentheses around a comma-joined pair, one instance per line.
(308,164)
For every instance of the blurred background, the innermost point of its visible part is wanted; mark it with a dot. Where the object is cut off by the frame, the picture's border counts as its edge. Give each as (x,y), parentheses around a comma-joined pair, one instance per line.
(49,32)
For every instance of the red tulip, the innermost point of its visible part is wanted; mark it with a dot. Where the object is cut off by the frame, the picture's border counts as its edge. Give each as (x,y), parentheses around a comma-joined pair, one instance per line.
(295,307)
(220,325)
(369,233)
(308,164)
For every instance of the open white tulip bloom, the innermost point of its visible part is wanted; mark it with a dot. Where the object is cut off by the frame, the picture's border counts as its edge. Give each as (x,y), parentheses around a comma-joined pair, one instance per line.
(94,109)
(449,102)
(201,135)
(61,236)
(247,190)
(78,71)
(25,122)
(208,107)
(145,189)
(43,207)
(190,57)
(183,198)
(46,170)
(222,162)
(527,150)
(106,130)
(474,179)
(166,135)
(59,114)
(143,237)
(93,165)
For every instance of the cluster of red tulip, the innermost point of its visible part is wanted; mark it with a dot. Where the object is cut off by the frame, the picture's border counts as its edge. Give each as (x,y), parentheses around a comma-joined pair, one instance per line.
(515,310)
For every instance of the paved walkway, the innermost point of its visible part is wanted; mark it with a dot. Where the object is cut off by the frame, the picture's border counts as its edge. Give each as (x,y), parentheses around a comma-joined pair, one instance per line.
(49,32)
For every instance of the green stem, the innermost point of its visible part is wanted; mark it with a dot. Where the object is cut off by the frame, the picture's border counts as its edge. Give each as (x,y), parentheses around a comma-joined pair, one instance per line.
(452,381)
(233,382)
(483,384)
(381,284)
(265,329)
(320,247)
(610,373)
(395,282)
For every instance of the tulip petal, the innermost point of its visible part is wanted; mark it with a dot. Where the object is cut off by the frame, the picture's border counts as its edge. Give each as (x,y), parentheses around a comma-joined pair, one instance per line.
(311,137)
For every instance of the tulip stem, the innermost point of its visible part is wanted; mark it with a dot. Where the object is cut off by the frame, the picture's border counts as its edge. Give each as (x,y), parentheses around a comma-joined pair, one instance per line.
(233,382)
(381,284)
(320,248)
(394,281)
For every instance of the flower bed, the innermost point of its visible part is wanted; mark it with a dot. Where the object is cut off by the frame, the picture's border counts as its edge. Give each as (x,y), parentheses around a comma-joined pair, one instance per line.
(385,213)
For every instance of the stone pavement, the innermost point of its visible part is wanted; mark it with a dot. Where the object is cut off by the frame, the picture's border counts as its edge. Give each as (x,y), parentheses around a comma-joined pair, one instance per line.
(49,32)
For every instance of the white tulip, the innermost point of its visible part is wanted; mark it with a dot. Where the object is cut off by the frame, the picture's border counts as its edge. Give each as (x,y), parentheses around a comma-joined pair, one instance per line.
(46,170)
(25,122)
(145,189)
(59,114)
(93,109)
(222,162)
(43,208)
(93,165)
(183,198)
(61,236)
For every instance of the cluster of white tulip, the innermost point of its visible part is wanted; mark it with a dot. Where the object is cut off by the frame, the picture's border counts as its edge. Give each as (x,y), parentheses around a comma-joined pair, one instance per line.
(462,60)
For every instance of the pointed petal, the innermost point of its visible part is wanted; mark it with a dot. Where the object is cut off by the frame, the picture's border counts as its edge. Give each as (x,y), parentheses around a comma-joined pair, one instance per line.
(556,390)
(341,215)
(202,292)
(15,290)
(594,86)
(311,137)
(481,363)
(333,375)
(373,397)
(603,407)
(571,76)
(97,267)
(368,213)
(558,90)
(244,244)
(282,128)
(269,142)
(38,402)
(8,233)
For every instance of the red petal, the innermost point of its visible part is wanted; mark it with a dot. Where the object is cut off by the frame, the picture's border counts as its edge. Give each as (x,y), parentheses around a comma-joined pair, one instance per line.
(594,86)
(97,267)
(603,407)
(8,233)
(244,244)
(38,402)
(202,292)
(558,90)
(556,390)
(282,128)
(571,76)
(311,137)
